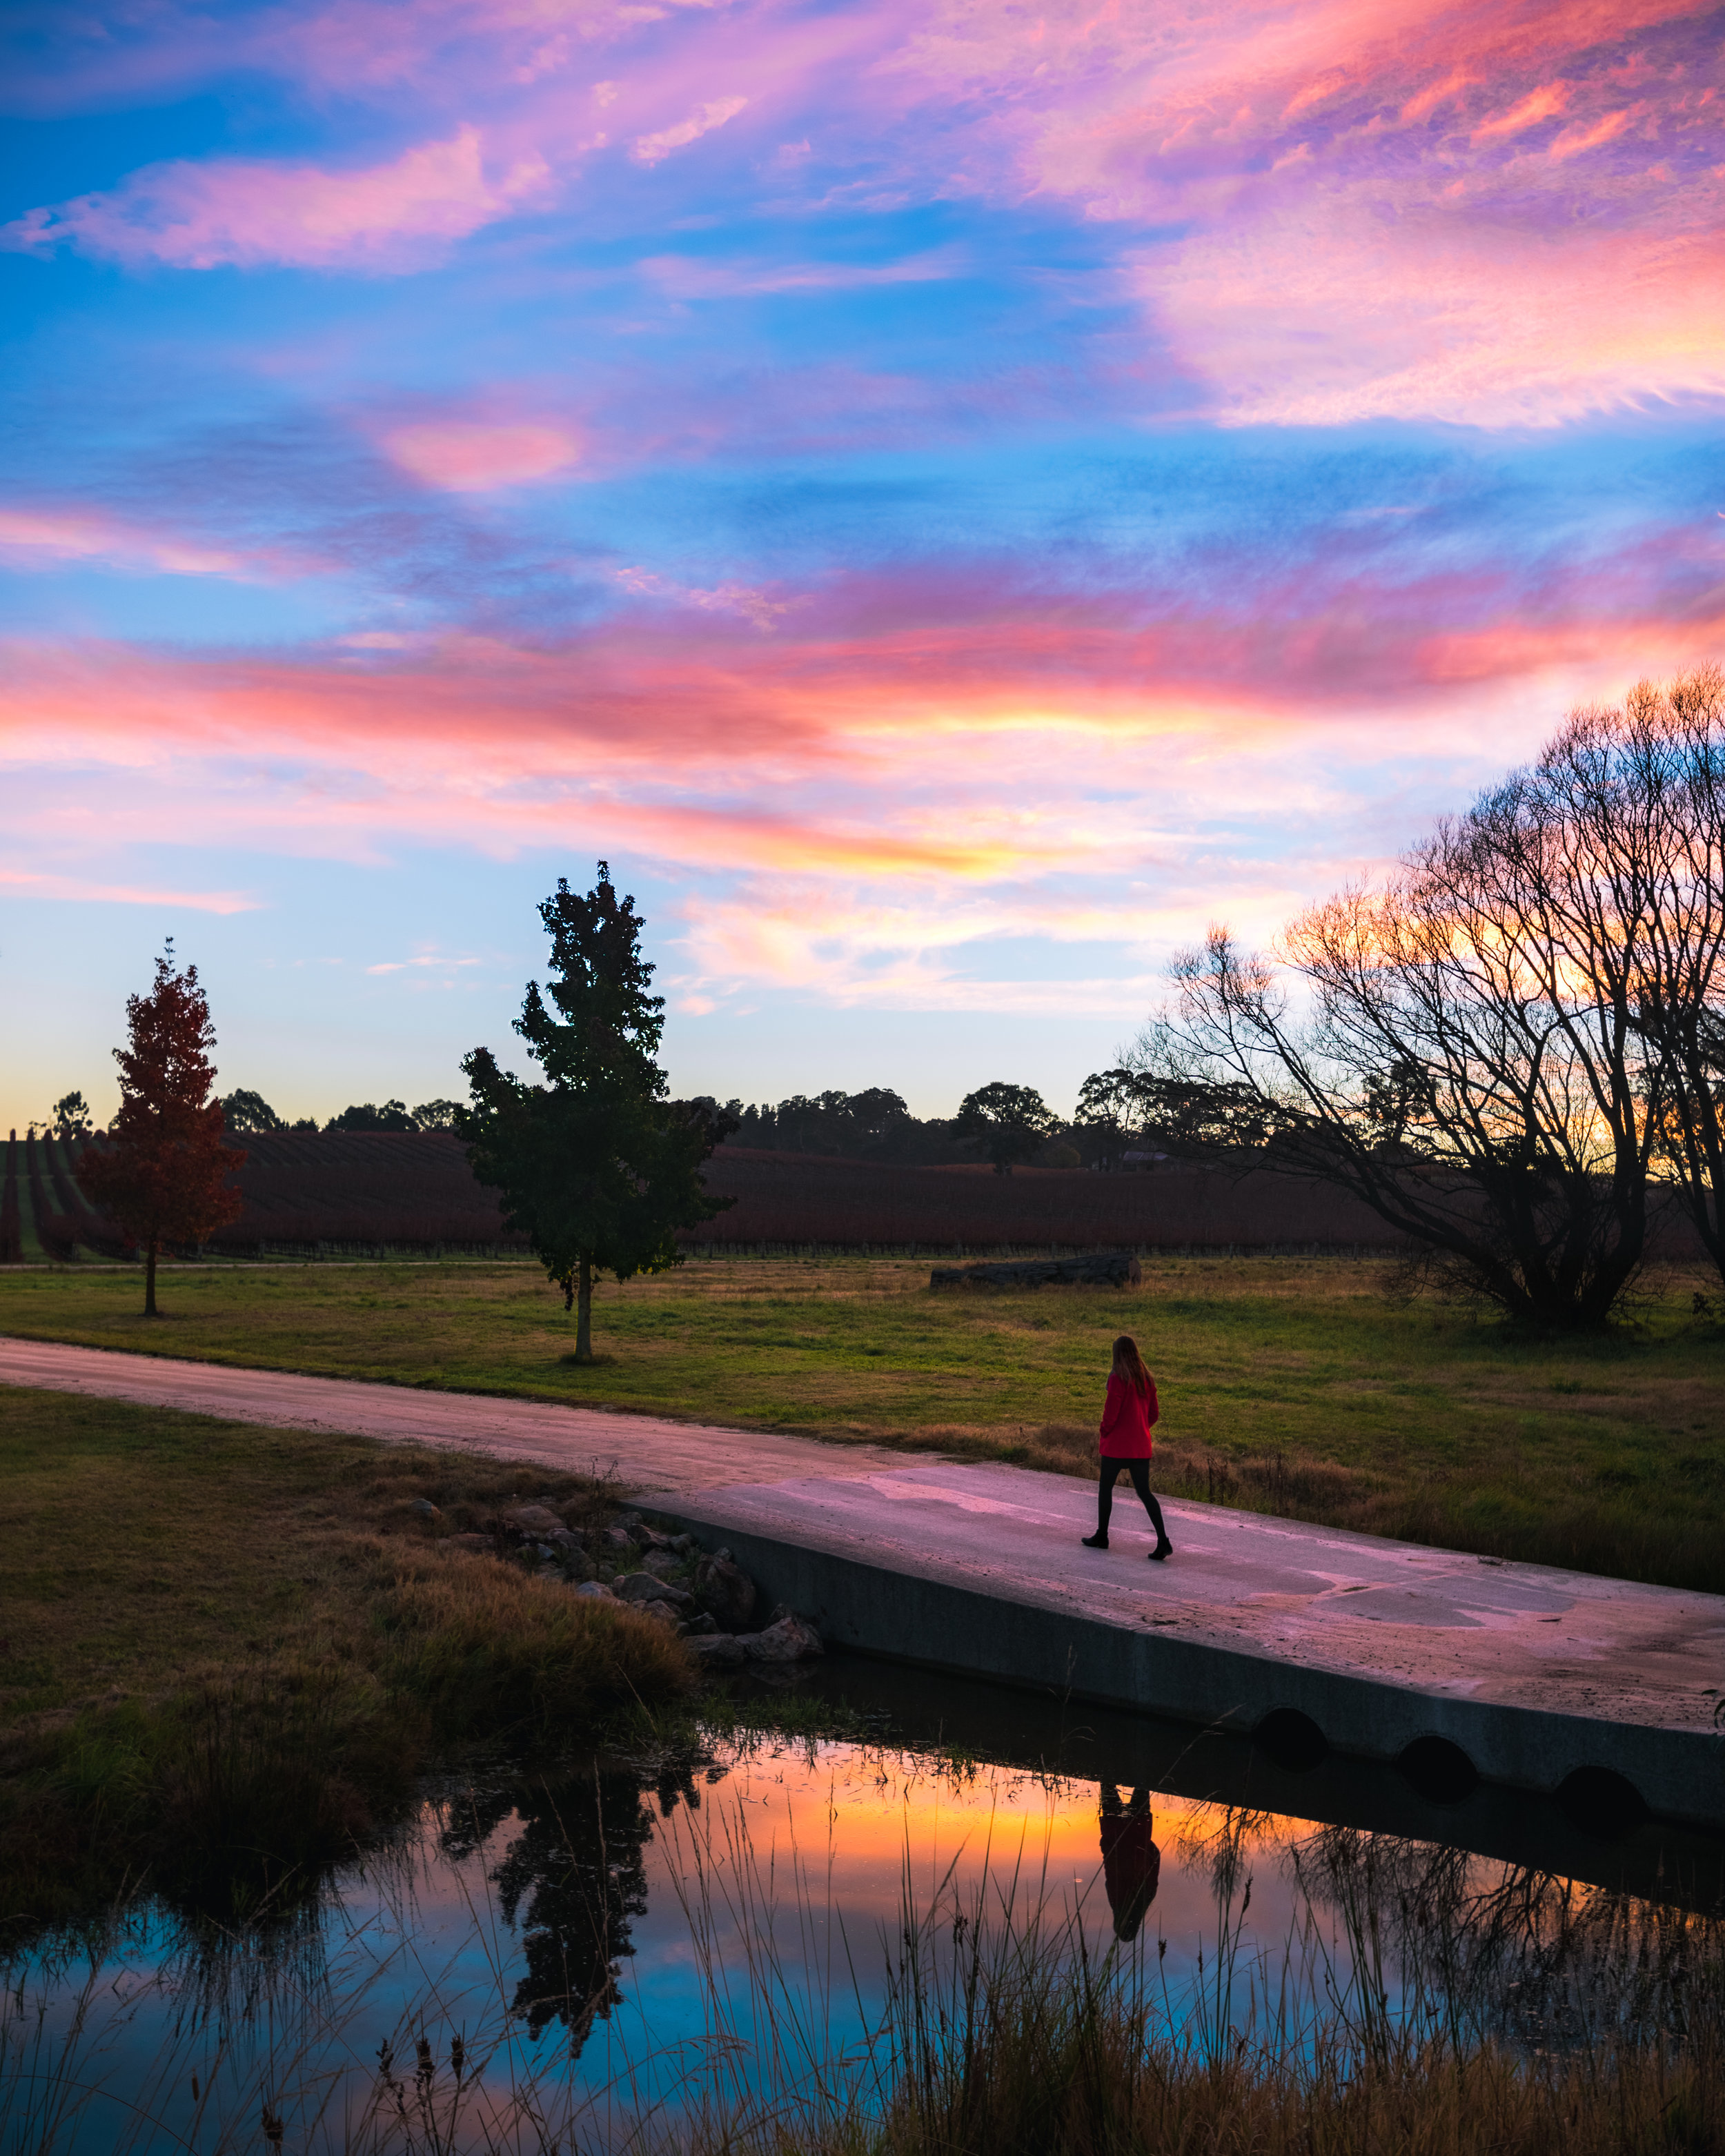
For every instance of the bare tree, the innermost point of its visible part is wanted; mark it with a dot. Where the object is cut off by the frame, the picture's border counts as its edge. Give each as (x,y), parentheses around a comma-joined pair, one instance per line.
(1644,783)
(1490,1050)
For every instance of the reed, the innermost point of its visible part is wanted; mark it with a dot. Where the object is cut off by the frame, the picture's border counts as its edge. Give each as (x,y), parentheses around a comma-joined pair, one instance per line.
(1415,2005)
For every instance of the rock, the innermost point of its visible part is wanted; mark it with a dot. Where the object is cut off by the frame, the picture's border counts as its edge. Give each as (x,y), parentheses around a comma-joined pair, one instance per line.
(533,1522)
(644,1587)
(701,1627)
(576,1564)
(596,1590)
(719,1651)
(727,1590)
(661,1564)
(479,1544)
(426,1510)
(1096,1269)
(661,1613)
(684,1545)
(790,1639)
(617,1539)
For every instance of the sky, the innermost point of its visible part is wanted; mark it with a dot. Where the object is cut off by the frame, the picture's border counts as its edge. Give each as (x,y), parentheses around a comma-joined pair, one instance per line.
(949,498)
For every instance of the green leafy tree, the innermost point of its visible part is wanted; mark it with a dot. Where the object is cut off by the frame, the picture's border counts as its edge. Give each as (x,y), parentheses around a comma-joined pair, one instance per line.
(71,1117)
(436,1115)
(1107,1115)
(1007,1123)
(163,1175)
(243,1111)
(367,1116)
(597,1167)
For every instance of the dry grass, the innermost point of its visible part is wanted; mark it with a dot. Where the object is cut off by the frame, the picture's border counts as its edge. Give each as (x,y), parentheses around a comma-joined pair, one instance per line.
(225,1652)
(1291,1383)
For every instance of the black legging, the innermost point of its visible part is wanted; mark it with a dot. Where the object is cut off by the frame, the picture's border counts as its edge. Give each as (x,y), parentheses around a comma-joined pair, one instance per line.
(1139,1470)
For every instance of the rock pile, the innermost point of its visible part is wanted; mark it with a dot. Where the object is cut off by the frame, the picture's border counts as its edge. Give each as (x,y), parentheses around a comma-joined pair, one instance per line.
(704,1596)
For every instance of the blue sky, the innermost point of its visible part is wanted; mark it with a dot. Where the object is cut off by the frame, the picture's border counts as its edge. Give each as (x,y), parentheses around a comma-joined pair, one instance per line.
(949,500)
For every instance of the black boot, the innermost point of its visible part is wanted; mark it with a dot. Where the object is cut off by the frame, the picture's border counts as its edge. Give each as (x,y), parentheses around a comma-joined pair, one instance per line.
(1099,1540)
(1163,1548)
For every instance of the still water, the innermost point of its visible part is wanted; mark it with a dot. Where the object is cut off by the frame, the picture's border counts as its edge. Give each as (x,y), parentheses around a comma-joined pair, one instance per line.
(590,1958)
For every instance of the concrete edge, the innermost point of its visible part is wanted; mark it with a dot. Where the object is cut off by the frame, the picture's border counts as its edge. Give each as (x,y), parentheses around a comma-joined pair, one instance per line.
(905,1617)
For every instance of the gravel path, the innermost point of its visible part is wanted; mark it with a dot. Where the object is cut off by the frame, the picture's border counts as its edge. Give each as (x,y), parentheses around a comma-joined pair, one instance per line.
(647,1452)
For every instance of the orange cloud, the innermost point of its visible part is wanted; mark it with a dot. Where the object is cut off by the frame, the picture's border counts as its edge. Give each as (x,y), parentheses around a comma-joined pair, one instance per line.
(1574,140)
(1544,102)
(864,814)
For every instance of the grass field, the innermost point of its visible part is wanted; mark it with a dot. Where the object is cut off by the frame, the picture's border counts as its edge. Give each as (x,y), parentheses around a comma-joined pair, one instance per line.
(224,1650)
(1290,1385)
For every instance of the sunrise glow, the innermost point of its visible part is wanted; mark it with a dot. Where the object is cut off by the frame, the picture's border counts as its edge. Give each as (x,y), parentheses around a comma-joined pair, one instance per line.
(948,498)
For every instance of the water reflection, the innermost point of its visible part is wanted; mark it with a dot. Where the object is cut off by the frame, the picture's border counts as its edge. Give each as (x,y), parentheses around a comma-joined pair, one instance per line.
(572,1878)
(1132,1863)
(632,1943)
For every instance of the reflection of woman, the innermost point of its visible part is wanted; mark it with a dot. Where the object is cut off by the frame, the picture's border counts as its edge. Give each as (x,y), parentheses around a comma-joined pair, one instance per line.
(1128,1413)
(1132,1863)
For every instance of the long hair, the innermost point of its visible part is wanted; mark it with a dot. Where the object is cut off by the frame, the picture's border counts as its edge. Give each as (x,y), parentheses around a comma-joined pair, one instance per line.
(1129,1364)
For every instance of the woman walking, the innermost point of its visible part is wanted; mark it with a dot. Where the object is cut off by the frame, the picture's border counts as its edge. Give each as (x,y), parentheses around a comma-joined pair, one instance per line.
(1128,1415)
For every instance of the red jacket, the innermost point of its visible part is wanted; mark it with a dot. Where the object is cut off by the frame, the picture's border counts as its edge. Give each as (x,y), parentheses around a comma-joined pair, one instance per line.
(1127,1417)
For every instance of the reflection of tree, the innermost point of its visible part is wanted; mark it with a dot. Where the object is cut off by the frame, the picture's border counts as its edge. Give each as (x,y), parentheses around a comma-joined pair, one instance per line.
(1486,1950)
(1218,1839)
(572,1876)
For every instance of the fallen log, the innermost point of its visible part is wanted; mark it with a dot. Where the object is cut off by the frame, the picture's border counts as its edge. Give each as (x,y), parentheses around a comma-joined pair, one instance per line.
(1095,1269)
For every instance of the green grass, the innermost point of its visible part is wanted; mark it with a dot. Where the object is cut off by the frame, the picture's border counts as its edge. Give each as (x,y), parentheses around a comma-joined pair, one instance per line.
(1287,1385)
(225,1652)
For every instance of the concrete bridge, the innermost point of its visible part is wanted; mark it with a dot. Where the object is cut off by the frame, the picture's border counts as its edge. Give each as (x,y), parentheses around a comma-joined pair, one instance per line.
(1608,1694)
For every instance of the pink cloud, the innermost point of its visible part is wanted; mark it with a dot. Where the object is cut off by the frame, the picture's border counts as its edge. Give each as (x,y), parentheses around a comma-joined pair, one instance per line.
(692,277)
(651,149)
(748,601)
(1313,159)
(1574,140)
(886,727)
(1369,236)
(473,456)
(37,534)
(1544,102)
(28,883)
(1301,327)
(231,211)
(899,752)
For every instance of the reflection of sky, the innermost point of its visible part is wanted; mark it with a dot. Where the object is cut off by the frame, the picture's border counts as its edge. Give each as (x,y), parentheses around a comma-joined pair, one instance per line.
(949,498)
(810,1859)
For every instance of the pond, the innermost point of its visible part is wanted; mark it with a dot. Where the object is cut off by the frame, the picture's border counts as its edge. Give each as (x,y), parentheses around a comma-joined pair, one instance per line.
(737,1926)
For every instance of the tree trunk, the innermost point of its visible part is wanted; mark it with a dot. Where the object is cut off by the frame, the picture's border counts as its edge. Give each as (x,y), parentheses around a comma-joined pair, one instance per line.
(583,1312)
(150,1309)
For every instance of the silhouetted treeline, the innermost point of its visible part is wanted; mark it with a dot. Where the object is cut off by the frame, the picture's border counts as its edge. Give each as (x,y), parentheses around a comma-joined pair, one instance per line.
(872,1125)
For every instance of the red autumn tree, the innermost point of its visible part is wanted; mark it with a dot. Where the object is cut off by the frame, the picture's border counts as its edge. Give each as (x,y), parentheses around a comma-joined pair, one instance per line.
(163,1176)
